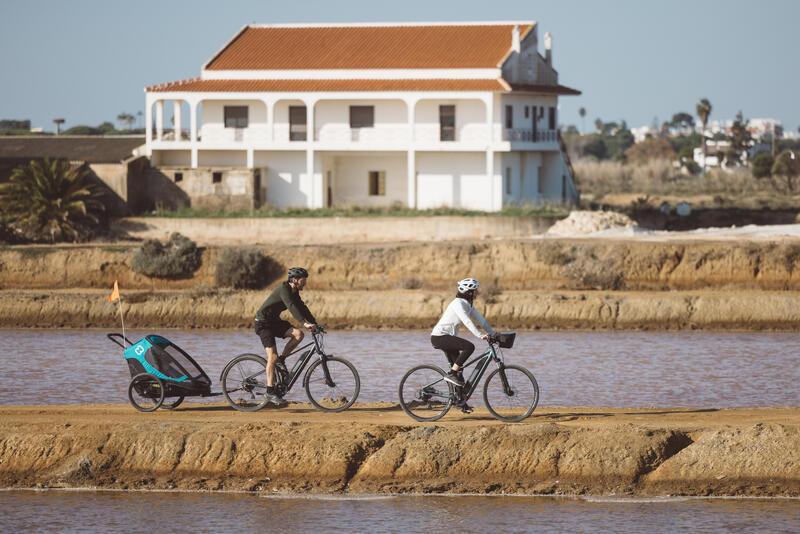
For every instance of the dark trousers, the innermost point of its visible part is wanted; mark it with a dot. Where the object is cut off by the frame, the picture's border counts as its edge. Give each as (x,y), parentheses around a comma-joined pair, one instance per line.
(455,348)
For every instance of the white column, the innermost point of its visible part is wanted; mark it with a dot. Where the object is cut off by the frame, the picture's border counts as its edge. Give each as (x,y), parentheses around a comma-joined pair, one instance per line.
(315,200)
(159,120)
(250,158)
(193,121)
(269,105)
(411,106)
(148,123)
(412,179)
(489,102)
(176,107)
(194,157)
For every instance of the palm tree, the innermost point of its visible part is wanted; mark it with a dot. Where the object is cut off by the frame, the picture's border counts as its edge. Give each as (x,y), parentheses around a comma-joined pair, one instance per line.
(51,201)
(703,111)
(582,113)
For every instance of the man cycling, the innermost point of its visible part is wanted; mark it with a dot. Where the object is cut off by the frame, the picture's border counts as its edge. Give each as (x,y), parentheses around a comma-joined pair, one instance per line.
(269,325)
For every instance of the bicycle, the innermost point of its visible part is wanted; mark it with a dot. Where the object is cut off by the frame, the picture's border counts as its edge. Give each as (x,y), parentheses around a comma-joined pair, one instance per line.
(332,384)
(510,391)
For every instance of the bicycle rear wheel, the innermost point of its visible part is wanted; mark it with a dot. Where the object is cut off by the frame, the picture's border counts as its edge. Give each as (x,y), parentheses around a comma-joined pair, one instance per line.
(146,392)
(336,394)
(244,382)
(424,394)
(514,398)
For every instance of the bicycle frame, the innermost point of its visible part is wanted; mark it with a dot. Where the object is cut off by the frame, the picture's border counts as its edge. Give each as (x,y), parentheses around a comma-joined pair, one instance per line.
(474,379)
(301,364)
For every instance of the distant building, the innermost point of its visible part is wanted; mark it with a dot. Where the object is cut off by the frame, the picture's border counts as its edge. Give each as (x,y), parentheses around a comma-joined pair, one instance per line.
(315,115)
(116,164)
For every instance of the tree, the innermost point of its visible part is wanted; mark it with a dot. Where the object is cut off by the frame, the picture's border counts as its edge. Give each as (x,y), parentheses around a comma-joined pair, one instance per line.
(598,125)
(682,120)
(740,137)
(787,164)
(125,120)
(582,113)
(596,147)
(703,110)
(762,165)
(51,201)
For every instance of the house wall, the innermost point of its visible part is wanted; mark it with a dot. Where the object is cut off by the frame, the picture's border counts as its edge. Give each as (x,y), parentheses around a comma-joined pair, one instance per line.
(235,191)
(350,178)
(453,179)
(332,121)
(221,158)
(213,127)
(553,169)
(518,103)
(470,120)
(284,180)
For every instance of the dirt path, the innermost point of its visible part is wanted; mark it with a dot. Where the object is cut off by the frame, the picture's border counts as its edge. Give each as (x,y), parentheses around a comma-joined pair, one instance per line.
(376,448)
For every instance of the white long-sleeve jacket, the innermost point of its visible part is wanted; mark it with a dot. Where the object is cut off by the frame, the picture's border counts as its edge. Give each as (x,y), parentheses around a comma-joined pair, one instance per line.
(457,312)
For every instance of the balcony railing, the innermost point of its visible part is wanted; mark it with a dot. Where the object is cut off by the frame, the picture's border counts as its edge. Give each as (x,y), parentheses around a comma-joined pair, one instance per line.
(530,136)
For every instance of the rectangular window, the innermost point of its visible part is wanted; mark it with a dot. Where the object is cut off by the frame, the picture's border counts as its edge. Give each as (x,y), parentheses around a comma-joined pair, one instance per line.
(297,123)
(377,183)
(508,180)
(527,112)
(447,123)
(216,177)
(235,116)
(362,116)
(178,176)
(509,117)
(551,119)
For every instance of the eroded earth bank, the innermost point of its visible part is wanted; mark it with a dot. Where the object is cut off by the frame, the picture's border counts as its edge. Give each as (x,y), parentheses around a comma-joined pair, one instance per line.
(565,283)
(375,448)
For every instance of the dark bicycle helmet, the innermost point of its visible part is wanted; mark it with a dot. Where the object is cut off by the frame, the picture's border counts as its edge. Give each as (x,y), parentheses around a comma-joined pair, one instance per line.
(297,272)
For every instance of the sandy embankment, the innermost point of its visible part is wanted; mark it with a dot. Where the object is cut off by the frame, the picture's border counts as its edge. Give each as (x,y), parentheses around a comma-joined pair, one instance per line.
(565,283)
(377,449)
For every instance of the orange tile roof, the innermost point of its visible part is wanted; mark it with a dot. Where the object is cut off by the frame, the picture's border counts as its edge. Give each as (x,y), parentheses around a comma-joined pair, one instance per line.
(285,86)
(367,47)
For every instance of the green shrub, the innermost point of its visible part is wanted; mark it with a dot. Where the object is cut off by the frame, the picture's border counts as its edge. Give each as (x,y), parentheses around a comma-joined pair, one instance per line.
(178,258)
(245,268)
(762,165)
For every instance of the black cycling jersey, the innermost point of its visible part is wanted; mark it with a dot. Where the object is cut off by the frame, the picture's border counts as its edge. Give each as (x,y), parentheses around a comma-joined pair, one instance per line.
(283,298)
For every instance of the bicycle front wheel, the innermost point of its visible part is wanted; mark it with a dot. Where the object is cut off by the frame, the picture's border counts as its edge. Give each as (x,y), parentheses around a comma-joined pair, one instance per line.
(511,393)
(335,391)
(424,394)
(244,382)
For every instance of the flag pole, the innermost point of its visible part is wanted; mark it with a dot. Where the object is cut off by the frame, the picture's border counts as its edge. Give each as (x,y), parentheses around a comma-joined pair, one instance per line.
(122,319)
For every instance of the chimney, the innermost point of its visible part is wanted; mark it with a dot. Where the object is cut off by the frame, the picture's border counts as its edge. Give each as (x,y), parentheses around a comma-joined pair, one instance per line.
(515,46)
(548,49)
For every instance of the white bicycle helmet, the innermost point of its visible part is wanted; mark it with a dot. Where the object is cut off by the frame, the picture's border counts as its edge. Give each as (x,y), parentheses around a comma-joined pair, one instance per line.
(467,284)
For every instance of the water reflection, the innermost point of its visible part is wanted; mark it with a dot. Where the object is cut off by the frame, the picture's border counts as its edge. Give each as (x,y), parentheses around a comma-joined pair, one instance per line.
(89,511)
(615,369)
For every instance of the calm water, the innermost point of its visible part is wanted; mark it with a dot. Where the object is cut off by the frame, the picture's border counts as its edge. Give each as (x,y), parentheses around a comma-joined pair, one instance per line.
(86,511)
(614,369)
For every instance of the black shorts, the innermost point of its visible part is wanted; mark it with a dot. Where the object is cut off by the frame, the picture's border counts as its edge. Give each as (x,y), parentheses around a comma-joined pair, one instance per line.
(269,331)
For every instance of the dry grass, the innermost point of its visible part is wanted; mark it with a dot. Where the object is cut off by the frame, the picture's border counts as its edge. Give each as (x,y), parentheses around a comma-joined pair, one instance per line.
(600,178)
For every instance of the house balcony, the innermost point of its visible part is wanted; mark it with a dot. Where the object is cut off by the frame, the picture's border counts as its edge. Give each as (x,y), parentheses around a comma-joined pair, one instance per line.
(523,138)
(421,136)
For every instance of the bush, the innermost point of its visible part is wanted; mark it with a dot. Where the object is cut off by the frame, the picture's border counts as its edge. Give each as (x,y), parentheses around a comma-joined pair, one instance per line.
(245,268)
(762,165)
(178,258)
(787,164)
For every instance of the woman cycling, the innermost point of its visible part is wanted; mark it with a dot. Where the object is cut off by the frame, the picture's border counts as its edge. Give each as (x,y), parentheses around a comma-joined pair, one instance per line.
(444,334)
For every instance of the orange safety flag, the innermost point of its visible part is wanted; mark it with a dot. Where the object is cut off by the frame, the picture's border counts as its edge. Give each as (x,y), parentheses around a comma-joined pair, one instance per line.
(114,294)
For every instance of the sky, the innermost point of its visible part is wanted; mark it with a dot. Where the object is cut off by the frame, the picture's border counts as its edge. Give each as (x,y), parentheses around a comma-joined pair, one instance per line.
(87,61)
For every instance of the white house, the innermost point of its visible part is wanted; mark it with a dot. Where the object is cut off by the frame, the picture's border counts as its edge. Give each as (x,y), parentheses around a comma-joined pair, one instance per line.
(424,114)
